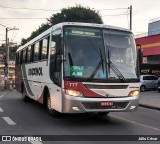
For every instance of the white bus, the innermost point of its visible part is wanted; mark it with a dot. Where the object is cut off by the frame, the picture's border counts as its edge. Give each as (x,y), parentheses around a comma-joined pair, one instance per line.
(80,68)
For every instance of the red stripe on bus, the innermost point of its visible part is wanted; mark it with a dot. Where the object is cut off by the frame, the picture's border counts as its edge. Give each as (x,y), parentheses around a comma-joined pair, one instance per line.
(72,85)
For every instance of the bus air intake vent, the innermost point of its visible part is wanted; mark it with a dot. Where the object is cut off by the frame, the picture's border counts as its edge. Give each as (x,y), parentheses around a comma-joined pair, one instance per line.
(106,86)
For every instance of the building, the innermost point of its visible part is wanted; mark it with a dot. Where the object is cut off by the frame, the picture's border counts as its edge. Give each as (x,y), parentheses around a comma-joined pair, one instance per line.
(151,48)
(11,72)
(150,45)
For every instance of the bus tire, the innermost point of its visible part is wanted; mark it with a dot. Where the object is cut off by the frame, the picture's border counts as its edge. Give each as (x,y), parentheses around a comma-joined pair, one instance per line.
(51,111)
(24,97)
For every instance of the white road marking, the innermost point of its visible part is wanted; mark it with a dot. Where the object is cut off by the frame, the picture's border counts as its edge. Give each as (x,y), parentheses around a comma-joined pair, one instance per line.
(133,122)
(36,142)
(9,121)
(1,95)
(1,110)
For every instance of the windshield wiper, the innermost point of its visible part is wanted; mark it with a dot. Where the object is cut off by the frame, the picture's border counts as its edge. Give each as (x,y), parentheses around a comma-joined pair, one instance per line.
(97,67)
(110,66)
(115,69)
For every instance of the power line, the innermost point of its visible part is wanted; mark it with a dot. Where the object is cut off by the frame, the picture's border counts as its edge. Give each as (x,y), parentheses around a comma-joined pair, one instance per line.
(22,8)
(116,14)
(2,22)
(3,25)
(113,9)
(27,8)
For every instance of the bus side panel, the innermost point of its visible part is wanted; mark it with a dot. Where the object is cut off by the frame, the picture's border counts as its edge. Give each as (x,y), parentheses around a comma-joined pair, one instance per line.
(36,78)
(19,78)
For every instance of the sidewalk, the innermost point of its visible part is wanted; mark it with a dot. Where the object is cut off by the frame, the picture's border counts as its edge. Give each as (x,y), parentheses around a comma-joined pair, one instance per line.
(150,99)
(2,88)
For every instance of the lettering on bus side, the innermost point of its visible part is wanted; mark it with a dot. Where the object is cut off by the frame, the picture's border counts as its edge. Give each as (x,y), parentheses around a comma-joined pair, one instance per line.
(35,71)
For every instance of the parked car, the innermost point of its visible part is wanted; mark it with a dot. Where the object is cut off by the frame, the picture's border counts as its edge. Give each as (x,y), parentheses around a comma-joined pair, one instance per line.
(158,84)
(148,82)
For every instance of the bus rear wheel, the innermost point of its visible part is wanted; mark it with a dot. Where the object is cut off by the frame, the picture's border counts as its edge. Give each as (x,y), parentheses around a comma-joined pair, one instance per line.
(24,97)
(51,111)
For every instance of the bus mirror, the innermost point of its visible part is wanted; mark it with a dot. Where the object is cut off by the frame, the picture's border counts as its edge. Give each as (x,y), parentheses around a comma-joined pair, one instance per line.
(138,46)
(139,53)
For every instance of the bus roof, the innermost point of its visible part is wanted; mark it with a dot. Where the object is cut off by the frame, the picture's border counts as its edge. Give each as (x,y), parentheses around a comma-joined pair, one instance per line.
(60,25)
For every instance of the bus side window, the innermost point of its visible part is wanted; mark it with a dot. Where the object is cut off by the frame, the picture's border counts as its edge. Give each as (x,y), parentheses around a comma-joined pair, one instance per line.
(55,55)
(44,48)
(32,53)
(40,50)
(21,57)
(48,43)
(36,51)
(24,56)
(52,50)
(29,54)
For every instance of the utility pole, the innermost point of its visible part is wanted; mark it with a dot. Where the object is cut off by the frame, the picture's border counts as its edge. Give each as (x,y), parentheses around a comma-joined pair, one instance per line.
(130,12)
(7,57)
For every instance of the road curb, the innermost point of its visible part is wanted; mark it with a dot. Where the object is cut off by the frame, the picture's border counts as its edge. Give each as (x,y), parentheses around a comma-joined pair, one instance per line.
(149,106)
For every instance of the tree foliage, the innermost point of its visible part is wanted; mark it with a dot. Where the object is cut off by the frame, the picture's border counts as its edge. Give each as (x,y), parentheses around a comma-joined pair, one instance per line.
(71,14)
(76,14)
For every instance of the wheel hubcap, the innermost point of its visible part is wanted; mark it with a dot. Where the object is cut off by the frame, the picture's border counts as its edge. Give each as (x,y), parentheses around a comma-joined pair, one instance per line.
(49,103)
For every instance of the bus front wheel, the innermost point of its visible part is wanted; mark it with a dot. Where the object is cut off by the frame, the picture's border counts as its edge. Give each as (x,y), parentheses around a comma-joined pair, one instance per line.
(51,111)
(24,97)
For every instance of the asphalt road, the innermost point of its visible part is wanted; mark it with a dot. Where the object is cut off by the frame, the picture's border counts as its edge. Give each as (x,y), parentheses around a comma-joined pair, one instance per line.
(19,118)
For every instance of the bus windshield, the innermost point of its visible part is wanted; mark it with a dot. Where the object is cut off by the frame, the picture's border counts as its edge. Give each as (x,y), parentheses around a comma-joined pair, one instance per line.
(94,53)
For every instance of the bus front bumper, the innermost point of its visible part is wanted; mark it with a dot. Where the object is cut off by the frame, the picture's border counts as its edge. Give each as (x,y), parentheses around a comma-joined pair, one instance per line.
(83,105)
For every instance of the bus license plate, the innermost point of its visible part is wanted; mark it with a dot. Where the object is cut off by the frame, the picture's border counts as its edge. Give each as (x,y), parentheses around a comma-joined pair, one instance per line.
(108,103)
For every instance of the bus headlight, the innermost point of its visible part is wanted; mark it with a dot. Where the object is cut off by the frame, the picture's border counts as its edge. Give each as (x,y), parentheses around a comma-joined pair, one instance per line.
(75,93)
(134,93)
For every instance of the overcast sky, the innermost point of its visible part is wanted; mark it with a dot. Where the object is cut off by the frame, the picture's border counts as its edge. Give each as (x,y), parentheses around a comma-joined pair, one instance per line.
(143,11)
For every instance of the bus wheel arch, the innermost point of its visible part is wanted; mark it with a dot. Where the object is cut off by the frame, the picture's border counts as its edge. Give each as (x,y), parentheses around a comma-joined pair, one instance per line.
(47,103)
(45,93)
(24,97)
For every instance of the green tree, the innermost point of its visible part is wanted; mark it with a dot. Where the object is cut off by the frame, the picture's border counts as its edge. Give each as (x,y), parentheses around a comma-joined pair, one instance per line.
(76,14)
(71,14)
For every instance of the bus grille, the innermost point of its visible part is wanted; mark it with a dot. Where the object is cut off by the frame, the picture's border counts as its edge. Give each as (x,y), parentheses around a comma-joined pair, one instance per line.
(97,105)
(91,86)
